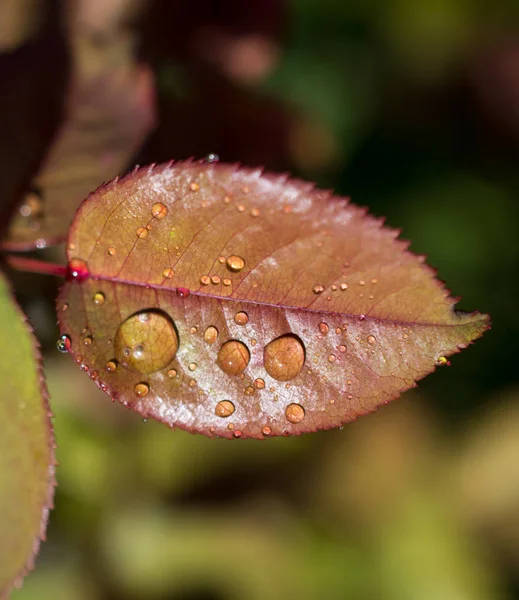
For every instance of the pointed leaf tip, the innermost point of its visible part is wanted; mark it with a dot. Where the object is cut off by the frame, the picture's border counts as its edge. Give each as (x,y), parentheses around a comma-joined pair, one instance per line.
(236,302)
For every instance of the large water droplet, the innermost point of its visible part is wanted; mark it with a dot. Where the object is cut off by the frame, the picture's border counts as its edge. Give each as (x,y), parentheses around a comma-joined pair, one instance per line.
(64,344)
(146,342)
(210,334)
(168,273)
(284,357)
(233,357)
(141,389)
(225,408)
(259,383)
(241,318)
(77,269)
(295,413)
(159,210)
(235,263)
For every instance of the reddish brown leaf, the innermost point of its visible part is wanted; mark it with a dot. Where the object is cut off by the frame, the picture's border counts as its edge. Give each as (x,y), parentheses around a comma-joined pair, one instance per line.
(26,445)
(110,109)
(238,304)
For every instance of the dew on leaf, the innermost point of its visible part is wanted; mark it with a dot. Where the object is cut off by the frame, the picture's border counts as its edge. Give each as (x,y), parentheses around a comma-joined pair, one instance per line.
(295,413)
(64,344)
(111,251)
(142,233)
(172,373)
(111,366)
(318,289)
(182,292)
(221,259)
(77,269)
(88,340)
(332,358)
(342,348)
(266,431)
(99,298)
(240,208)
(343,286)
(168,273)
(362,317)
(194,187)
(146,342)
(237,433)
(233,357)
(255,212)
(241,318)
(284,357)
(442,360)
(212,158)
(205,280)
(192,366)
(235,263)
(159,210)
(141,389)
(249,391)
(32,205)
(215,279)
(259,383)
(65,306)
(226,281)
(323,328)
(210,334)
(371,339)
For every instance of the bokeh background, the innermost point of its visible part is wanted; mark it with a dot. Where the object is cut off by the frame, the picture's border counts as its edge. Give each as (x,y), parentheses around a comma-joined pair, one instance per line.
(412,108)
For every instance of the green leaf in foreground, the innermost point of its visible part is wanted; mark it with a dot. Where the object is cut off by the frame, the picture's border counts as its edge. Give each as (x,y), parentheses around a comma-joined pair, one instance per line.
(26,445)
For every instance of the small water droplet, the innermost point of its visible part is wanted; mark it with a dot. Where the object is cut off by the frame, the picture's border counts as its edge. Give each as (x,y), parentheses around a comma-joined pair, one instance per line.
(343,286)
(111,251)
(318,289)
(221,259)
(142,233)
(284,357)
(255,212)
(235,263)
(332,358)
(99,298)
(266,431)
(442,361)
(215,279)
(371,339)
(362,317)
(245,189)
(88,340)
(111,365)
(141,389)
(205,280)
(159,210)
(226,281)
(249,391)
(295,413)
(194,187)
(193,330)
(233,357)
(323,328)
(182,292)
(77,269)
(240,208)
(65,307)
(146,342)
(172,373)
(210,334)
(145,420)
(32,205)
(374,280)
(64,344)
(212,158)
(227,200)
(192,366)
(192,382)
(224,408)
(168,273)
(362,282)
(259,384)
(241,318)
(342,348)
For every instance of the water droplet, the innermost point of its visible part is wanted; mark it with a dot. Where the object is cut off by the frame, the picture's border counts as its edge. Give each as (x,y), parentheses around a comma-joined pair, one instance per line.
(233,357)
(255,212)
(111,251)
(212,158)
(193,330)
(210,334)
(182,292)
(64,344)
(32,205)
(226,281)
(343,286)
(332,358)
(159,210)
(65,307)
(241,318)
(323,328)
(442,360)
(266,431)
(146,342)
(192,366)
(240,208)
(362,282)
(194,187)
(77,269)
(224,408)
(235,263)
(249,391)
(215,279)
(227,200)
(172,373)
(374,280)
(99,298)
(192,382)
(259,383)
(284,357)
(342,348)
(237,433)
(371,339)
(362,317)
(141,389)
(168,273)
(111,365)
(295,413)
(88,340)
(221,259)
(142,233)
(205,280)
(318,289)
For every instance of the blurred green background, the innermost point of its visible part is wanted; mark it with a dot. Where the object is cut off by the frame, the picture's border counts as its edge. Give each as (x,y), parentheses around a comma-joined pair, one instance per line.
(412,108)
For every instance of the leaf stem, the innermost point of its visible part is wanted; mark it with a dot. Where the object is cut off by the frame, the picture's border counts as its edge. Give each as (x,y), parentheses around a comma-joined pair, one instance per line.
(33,265)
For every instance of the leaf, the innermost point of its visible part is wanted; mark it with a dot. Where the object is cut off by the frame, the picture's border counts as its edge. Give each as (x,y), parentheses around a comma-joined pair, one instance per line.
(27,462)
(232,303)
(110,110)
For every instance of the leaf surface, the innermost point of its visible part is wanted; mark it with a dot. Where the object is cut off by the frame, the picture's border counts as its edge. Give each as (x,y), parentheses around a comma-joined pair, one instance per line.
(235,303)
(110,110)
(26,445)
